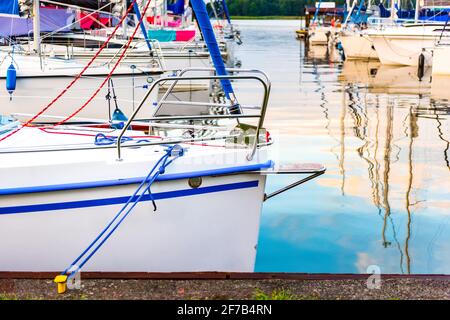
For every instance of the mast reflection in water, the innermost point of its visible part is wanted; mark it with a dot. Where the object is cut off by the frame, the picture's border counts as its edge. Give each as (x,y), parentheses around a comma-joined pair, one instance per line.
(384,137)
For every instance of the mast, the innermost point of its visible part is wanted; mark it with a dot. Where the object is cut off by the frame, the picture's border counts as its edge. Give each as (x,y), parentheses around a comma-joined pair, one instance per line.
(36,27)
(416,13)
(125,22)
(213,8)
(349,13)
(142,25)
(227,13)
(164,13)
(317,11)
(392,17)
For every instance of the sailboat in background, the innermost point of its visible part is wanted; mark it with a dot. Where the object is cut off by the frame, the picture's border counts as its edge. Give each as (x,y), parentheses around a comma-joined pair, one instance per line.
(31,79)
(353,36)
(325,24)
(412,42)
(81,34)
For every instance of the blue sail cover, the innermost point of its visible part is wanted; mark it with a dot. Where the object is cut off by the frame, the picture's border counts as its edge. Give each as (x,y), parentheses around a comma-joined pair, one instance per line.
(384,13)
(177,7)
(9,7)
(199,8)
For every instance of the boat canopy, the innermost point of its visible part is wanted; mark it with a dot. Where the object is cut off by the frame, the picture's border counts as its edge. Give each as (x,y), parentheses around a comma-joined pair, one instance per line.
(8,7)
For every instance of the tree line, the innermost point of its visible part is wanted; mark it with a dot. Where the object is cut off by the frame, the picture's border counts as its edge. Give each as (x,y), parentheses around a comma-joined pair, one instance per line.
(269,7)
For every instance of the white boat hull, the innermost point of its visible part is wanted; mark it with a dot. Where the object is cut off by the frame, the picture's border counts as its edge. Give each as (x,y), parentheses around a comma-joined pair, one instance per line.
(441,63)
(398,51)
(318,36)
(208,231)
(33,94)
(36,87)
(404,44)
(357,46)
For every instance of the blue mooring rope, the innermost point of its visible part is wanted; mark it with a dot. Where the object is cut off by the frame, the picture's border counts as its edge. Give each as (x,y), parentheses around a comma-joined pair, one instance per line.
(103,140)
(172,152)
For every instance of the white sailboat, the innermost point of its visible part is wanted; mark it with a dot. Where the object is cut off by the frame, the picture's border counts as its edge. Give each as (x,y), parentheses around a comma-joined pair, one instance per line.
(404,44)
(441,52)
(355,40)
(66,189)
(37,79)
(322,30)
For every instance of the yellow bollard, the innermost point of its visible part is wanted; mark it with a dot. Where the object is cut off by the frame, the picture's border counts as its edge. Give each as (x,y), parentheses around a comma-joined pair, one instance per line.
(61,281)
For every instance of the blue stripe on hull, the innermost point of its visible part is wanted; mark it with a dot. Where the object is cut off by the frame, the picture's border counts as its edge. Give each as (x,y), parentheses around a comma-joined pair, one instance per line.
(123,200)
(121,182)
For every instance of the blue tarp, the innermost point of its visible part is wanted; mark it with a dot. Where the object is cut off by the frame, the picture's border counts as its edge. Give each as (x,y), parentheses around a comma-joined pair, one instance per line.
(384,13)
(438,14)
(9,7)
(177,7)
(406,14)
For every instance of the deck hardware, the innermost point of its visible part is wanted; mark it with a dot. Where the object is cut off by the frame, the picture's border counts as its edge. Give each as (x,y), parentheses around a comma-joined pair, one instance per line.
(61,283)
(311,169)
(194,183)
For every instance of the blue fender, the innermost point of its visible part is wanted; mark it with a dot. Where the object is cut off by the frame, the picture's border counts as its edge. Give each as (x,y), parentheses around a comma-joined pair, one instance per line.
(11,79)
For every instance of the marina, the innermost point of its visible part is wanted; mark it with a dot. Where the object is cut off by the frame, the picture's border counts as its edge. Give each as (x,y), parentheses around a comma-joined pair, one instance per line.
(255,151)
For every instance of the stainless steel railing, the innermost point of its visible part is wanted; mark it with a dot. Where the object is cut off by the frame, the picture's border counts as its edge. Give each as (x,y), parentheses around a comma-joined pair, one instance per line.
(256,75)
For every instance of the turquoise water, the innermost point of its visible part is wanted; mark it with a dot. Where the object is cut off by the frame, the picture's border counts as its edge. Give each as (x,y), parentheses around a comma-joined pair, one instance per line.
(384,137)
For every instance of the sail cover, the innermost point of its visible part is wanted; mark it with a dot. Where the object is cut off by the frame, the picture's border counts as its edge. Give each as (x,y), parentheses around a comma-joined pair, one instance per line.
(9,7)
(88,4)
(52,19)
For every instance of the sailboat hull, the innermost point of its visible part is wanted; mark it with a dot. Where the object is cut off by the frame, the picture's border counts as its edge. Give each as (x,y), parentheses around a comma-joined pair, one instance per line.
(357,46)
(54,204)
(33,94)
(202,229)
(404,45)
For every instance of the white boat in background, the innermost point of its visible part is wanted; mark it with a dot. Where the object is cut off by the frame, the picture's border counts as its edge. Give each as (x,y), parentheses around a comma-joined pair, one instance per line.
(139,55)
(40,79)
(354,37)
(441,62)
(402,45)
(325,24)
(357,44)
(319,35)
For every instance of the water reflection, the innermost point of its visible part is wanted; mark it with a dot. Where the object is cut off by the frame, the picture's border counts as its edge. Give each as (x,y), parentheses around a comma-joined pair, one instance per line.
(384,136)
(380,80)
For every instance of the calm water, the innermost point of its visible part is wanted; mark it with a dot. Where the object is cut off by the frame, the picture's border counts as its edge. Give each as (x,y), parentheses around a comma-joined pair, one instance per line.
(384,137)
